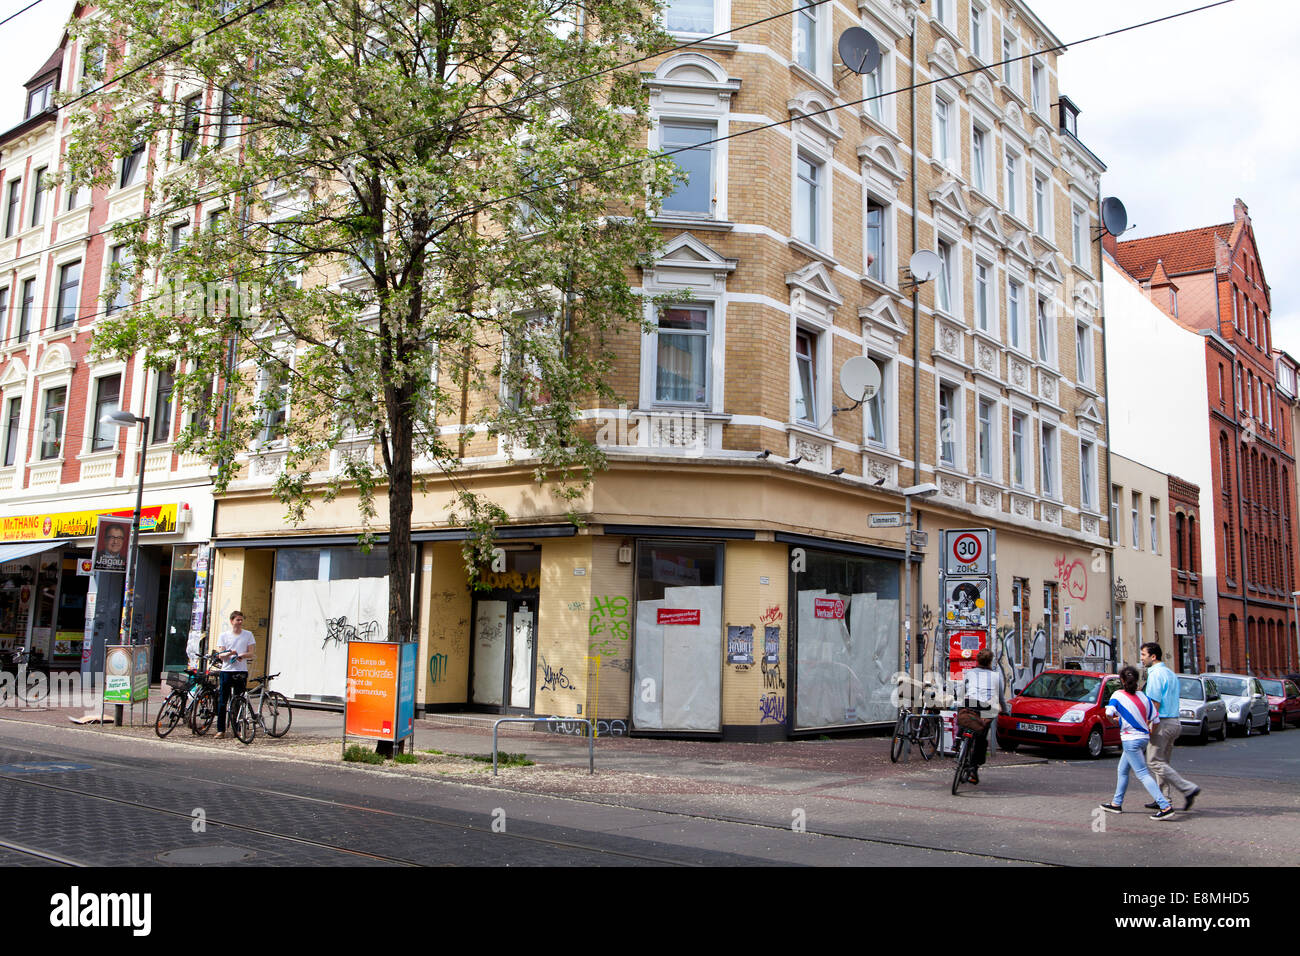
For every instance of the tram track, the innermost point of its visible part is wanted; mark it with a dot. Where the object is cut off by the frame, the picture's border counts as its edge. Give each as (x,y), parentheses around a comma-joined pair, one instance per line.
(876,839)
(41,854)
(532,839)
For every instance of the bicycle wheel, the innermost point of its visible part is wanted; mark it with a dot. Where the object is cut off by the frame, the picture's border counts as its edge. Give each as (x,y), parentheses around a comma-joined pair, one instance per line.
(242,720)
(900,734)
(274,714)
(963,764)
(169,714)
(203,711)
(930,734)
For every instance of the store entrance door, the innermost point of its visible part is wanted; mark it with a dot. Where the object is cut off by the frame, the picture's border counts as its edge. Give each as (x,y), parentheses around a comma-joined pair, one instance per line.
(504,653)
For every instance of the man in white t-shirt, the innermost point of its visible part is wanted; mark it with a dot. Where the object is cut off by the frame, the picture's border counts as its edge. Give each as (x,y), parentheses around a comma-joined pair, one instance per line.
(234,647)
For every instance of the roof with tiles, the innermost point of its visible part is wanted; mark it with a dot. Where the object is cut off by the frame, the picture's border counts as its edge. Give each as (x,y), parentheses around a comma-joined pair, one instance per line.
(1181,252)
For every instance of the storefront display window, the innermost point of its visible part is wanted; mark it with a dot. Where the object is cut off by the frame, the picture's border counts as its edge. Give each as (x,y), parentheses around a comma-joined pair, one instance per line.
(677,657)
(180,607)
(17,581)
(846,639)
(70,623)
(323,598)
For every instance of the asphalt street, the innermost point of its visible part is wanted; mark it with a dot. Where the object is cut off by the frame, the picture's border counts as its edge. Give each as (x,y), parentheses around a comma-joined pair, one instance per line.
(88,797)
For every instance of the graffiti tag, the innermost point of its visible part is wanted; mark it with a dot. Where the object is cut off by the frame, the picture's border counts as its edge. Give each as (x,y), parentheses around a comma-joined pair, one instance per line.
(1073,577)
(437,668)
(772,679)
(554,679)
(771,615)
(771,707)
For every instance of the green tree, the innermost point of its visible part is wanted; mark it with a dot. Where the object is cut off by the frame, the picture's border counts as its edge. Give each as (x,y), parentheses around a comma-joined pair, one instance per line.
(432,215)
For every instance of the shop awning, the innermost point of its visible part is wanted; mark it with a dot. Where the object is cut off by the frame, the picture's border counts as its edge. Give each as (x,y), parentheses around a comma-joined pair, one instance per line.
(23,549)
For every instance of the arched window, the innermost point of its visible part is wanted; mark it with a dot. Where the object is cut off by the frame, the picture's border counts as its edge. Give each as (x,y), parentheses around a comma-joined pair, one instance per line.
(1178,541)
(1192,564)
(1225,465)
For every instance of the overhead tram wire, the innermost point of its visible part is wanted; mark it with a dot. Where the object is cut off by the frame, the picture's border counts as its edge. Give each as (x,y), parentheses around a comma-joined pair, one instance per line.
(168,212)
(23,10)
(560,184)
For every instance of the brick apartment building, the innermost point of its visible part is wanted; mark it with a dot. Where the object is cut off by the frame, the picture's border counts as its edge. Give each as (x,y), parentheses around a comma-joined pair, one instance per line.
(1211,279)
(61,468)
(725,558)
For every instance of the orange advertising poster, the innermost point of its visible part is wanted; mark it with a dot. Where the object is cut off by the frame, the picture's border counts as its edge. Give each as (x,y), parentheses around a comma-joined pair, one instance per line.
(371,708)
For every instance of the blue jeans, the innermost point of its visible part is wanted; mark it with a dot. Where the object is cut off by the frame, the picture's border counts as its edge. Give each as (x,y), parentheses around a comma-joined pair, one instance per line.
(228,682)
(1133,756)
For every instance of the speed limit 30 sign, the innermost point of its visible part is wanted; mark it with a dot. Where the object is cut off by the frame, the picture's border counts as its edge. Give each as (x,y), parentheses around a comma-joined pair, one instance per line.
(967,552)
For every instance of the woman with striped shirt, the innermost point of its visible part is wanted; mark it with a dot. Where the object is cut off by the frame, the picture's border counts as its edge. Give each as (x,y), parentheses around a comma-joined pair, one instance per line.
(1136,715)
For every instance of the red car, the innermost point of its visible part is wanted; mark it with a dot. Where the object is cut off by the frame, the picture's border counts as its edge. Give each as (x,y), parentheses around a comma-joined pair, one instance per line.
(1283,701)
(1064,708)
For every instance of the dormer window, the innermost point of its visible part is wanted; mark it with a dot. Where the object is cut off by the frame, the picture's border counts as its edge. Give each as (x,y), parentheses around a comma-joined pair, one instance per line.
(40,99)
(1069,116)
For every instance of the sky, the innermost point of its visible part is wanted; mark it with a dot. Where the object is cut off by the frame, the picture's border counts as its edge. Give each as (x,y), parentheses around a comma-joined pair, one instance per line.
(1187,115)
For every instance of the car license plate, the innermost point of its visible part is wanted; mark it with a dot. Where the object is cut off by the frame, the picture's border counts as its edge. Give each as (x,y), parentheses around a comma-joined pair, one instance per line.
(1033,728)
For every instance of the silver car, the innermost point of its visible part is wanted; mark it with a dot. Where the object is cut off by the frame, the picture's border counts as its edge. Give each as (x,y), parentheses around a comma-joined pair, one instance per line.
(1246,700)
(1201,710)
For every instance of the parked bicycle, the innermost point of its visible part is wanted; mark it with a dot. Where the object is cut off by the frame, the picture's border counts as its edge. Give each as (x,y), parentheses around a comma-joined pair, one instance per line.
(923,729)
(30,675)
(191,693)
(273,713)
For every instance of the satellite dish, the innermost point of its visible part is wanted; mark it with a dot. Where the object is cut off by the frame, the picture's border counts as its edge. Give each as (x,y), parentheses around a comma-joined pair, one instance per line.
(924,265)
(860,378)
(859,50)
(1114,217)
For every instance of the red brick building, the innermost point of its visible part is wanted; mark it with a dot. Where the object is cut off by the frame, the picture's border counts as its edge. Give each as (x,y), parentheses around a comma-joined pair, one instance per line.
(1211,279)
(1185,573)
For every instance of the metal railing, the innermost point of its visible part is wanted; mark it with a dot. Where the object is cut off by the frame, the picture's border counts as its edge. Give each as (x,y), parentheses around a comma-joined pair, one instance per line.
(591,738)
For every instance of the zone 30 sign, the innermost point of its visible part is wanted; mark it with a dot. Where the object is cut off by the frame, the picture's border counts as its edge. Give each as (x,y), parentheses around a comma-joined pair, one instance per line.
(967,552)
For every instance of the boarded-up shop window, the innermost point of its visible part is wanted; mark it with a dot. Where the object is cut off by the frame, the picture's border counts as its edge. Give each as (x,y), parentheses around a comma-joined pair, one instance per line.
(846,639)
(677,662)
(323,598)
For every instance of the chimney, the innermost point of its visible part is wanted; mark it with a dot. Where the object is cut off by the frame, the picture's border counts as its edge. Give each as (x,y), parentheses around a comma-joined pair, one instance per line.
(1239,211)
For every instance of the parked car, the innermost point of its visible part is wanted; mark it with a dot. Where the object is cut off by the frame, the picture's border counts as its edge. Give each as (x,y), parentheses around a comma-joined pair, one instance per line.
(1065,708)
(1283,701)
(1201,710)
(1246,700)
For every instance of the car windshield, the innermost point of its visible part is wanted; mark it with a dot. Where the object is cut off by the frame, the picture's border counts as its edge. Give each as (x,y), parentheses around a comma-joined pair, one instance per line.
(1232,686)
(1189,688)
(1074,687)
(1273,687)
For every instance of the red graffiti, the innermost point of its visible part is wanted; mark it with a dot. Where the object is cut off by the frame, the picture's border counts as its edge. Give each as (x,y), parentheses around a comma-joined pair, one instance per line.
(770,616)
(1073,577)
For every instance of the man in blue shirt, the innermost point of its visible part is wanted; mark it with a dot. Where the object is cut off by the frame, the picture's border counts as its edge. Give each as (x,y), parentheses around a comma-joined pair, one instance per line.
(1162,688)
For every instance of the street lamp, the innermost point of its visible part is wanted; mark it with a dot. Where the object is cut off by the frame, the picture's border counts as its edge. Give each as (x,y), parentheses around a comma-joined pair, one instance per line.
(124,419)
(915,491)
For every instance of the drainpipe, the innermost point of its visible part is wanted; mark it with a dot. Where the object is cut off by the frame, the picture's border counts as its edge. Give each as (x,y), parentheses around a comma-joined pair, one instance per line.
(1117,640)
(916,362)
(916,292)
